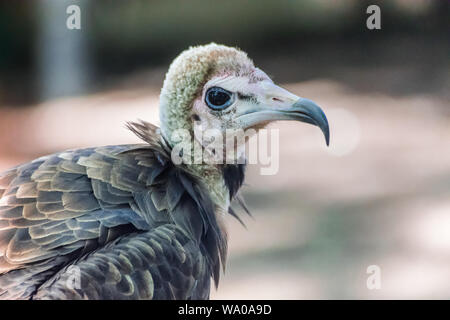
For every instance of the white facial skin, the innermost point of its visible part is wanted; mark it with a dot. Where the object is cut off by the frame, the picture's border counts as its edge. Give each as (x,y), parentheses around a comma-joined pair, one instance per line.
(250,94)
(212,128)
(254,101)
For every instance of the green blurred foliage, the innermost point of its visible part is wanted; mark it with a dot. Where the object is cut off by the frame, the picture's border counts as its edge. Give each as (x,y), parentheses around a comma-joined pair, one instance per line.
(125,36)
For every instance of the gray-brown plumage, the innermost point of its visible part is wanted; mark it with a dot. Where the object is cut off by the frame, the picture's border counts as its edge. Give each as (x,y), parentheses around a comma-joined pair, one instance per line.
(123,214)
(125,222)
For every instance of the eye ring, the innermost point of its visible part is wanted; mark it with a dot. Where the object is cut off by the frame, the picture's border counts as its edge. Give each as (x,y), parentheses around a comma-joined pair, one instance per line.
(218,98)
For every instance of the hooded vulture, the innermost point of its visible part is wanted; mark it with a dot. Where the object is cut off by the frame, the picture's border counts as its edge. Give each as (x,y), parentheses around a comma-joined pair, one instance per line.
(126,221)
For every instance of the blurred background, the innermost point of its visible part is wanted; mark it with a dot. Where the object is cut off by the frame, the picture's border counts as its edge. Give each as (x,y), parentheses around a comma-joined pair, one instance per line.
(380,195)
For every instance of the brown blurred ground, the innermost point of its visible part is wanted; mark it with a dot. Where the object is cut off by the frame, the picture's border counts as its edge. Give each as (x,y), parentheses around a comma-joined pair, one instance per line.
(379,195)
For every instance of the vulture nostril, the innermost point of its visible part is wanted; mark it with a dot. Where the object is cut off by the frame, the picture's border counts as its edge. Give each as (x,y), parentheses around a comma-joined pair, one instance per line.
(277,99)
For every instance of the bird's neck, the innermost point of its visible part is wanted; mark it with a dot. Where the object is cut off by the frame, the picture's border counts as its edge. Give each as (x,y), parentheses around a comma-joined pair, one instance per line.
(211,176)
(222,180)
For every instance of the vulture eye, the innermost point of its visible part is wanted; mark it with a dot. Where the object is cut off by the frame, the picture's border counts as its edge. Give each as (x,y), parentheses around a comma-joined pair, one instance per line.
(217,98)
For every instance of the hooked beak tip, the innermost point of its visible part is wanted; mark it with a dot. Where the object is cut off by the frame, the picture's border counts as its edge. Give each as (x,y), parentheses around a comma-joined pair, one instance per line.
(311,113)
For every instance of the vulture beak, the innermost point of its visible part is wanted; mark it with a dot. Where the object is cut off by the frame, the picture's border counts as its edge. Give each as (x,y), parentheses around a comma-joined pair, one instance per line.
(275,103)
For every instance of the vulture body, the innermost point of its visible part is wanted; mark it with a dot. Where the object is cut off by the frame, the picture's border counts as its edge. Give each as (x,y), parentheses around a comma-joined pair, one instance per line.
(135,225)
(126,222)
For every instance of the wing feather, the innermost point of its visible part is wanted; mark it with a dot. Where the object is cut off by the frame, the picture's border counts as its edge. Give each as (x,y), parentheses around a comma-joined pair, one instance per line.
(124,215)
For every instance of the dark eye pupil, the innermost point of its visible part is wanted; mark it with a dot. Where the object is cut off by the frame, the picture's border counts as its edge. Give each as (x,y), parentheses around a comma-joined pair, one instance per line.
(218,98)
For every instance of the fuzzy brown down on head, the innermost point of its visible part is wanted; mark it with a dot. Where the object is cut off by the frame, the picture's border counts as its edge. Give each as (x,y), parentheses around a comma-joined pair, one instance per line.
(187,75)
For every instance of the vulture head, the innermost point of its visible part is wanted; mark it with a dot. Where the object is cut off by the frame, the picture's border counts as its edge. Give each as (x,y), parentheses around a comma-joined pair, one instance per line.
(215,88)
(218,87)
